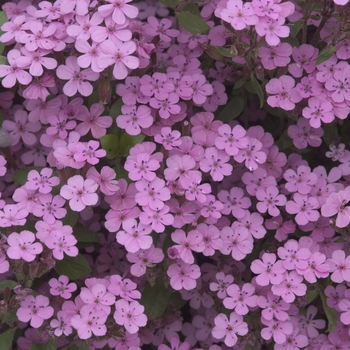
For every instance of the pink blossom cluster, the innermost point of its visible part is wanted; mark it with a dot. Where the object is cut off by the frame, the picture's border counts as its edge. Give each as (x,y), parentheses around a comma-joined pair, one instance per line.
(147,201)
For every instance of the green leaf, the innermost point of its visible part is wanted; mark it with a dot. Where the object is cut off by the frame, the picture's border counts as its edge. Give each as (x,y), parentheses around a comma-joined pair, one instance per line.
(176,300)
(20,176)
(155,299)
(192,8)
(325,54)
(312,293)
(232,110)
(6,339)
(110,143)
(3,18)
(330,133)
(330,313)
(84,235)
(192,23)
(258,89)
(296,27)
(284,142)
(3,60)
(71,218)
(40,346)
(127,141)
(116,108)
(8,284)
(73,267)
(227,52)
(170,3)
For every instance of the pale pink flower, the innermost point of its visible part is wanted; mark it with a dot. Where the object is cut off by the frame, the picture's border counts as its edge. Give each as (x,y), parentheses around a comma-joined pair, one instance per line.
(130,315)
(62,287)
(120,10)
(183,276)
(22,246)
(339,266)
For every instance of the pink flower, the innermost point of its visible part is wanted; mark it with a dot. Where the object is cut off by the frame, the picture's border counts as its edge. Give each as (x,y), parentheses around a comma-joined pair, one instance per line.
(89,322)
(273,307)
(224,281)
(161,28)
(49,207)
(268,270)
(290,286)
(92,121)
(317,268)
(183,276)
(62,287)
(234,202)
(276,329)
(336,204)
(124,288)
(339,266)
(19,128)
(62,325)
(119,55)
(130,315)
(272,29)
(88,152)
(43,181)
(216,161)
(275,56)
(300,181)
(135,236)
(310,324)
(80,7)
(21,246)
(239,299)
(193,241)
(39,36)
(305,208)
(175,344)
(304,56)
(105,178)
(269,200)
(158,219)
(286,94)
(201,89)
(339,85)
(252,155)
(231,140)
(293,256)
(228,328)
(98,297)
(168,138)
(303,134)
(318,110)
(240,15)
(62,241)
(80,192)
(120,10)
(134,118)
(78,80)
(166,107)
(35,309)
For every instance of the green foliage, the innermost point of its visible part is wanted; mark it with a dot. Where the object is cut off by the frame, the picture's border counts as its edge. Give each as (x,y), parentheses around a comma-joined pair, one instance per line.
(71,217)
(8,284)
(232,109)
(127,142)
(84,235)
(296,27)
(192,23)
(258,89)
(116,108)
(170,3)
(325,54)
(155,299)
(312,293)
(330,313)
(226,52)
(330,133)
(110,143)
(6,339)
(51,345)
(73,267)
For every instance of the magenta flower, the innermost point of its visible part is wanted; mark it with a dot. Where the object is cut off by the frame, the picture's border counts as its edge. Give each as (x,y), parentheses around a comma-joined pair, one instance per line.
(252,155)
(293,256)
(43,181)
(300,181)
(239,299)
(130,315)
(317,268)
(134,118)
(193,241)
(273,307)
(339,85)
(89,322)
(275,56)
(231,140)
(40,36)
(278,330)
(88,152)
(216,161)
(62,325)
(161,28)
(105,178)
(166,107)
(78,81)
(35,309)
(336,204)
(135,236)
(229,328)
(21,246)
(120,10)
(62,287)
(268,270)
(98,297)
(119,55)
(290,287)
(158,219)
(286,94)
(12,29)
(224,281)
(80,192)
(305,207)
(61,241)
(183,276)
(168,138)
(234,202)
(272,30)
(240,15)
(201,89)
(92,121)
(339,266)
(269,199)
(80,7)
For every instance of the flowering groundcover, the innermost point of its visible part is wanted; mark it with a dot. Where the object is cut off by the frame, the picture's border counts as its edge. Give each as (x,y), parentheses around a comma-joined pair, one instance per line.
(175,175)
